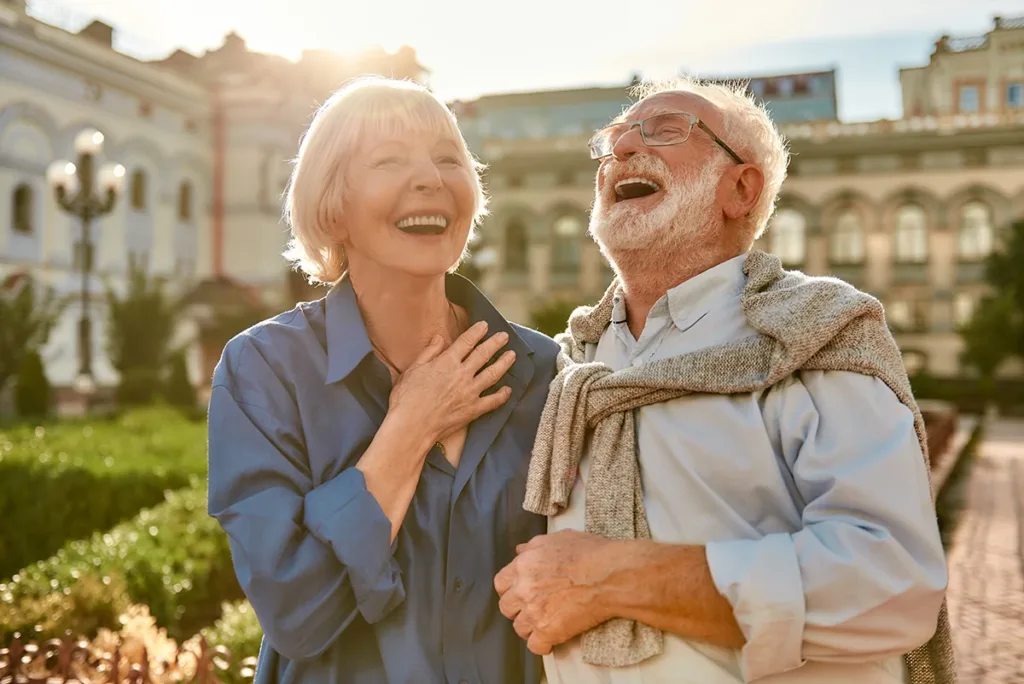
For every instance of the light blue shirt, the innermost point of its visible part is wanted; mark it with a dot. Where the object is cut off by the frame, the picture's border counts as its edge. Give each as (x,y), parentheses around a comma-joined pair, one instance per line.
(296,401)
(811,497)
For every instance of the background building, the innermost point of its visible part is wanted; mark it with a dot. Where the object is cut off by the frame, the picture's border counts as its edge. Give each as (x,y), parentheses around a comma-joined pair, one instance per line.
(906,209)
(206,142)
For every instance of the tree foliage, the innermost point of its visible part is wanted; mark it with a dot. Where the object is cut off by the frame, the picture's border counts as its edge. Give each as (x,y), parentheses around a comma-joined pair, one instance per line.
(141,326)
(27,316)
(996,329)
(31,387)
(552,317)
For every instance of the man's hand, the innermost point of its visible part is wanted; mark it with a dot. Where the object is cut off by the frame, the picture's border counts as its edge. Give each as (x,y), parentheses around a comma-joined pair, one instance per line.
(551,590)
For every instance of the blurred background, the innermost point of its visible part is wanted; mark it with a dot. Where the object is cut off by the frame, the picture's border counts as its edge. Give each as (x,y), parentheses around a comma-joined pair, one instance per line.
(906,123)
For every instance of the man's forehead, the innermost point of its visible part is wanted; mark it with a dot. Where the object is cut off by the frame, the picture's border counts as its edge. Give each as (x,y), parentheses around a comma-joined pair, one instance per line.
(672,102)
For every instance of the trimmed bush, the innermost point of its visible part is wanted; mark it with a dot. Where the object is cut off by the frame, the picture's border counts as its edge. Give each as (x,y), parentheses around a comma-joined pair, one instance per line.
(64,481)
(239,631)
(179,390)
(173,558)
(31,388)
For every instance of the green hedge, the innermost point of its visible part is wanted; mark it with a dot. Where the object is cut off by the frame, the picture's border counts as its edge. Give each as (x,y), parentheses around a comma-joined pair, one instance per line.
(64,481)
(971,396)
(239,631)
(173,558)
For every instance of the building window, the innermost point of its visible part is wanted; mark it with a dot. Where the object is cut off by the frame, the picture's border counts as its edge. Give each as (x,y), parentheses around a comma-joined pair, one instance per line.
(787,237)
(969,99)
(1015,95)
(976,233)
(907,315)
(963,309)
(138,190)
(847,245)
(911,235)
(567,231)
(515,246)
(185,202)
(22,210)
(914,362)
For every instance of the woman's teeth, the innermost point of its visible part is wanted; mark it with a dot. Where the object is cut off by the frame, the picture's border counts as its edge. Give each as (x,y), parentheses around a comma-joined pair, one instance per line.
(413,221)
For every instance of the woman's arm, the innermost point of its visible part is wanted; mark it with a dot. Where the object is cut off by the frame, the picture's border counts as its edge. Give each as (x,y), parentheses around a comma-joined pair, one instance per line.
(308,558)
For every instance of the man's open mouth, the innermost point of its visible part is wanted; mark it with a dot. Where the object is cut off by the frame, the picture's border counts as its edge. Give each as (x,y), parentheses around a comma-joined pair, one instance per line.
(634,188)
(423,225)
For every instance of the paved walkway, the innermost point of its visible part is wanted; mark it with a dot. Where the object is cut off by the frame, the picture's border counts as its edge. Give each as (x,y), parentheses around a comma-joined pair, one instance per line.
(986,563)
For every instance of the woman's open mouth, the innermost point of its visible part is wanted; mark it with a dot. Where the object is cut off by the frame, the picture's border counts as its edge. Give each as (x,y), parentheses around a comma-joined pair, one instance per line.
(423,225)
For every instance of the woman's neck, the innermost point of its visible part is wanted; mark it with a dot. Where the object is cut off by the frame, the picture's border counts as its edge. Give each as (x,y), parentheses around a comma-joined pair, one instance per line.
(402,313)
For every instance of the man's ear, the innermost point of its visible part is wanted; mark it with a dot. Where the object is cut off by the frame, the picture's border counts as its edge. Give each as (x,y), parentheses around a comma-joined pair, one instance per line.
(746,182)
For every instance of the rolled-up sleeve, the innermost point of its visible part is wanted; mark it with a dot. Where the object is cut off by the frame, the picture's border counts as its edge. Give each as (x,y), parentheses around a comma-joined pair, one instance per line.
(865,577)
(308,559)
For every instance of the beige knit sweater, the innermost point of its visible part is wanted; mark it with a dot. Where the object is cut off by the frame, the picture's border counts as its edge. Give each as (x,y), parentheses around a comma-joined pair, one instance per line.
(803,322)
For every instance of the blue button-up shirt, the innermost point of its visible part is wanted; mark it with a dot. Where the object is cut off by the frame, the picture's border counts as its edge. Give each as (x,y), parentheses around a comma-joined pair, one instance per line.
(296,401)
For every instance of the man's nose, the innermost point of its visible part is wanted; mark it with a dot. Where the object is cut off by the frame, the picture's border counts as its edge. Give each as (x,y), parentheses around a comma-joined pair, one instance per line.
(628,144)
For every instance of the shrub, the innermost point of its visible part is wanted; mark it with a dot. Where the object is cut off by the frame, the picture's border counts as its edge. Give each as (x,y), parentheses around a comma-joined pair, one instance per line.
(239,631)
(31,388)
(173,558)
(64,481)
(179,390)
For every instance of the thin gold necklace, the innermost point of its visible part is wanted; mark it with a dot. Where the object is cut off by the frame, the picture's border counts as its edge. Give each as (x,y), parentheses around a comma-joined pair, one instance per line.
(390,364)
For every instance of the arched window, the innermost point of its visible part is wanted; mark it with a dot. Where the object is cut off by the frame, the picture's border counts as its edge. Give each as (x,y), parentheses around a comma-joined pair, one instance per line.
(847,244)
(567,230)
(22,210)
(787,237)
(185,202)
(138,190)
(911,235)
(976,237)
(516,244)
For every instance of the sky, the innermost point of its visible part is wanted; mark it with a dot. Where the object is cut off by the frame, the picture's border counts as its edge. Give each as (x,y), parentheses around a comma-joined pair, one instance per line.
(475,47)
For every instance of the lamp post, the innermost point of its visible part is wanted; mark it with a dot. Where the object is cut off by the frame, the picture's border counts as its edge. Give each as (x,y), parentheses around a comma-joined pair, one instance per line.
(88,193)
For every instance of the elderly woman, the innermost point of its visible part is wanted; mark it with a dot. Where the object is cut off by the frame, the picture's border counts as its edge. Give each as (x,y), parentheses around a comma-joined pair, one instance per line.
(368,451)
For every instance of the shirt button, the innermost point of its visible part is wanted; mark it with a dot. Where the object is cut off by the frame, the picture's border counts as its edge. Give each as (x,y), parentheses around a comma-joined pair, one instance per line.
(458,584)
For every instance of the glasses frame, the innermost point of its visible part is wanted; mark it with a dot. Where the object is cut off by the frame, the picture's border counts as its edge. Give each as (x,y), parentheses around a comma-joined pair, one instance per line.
(630,125)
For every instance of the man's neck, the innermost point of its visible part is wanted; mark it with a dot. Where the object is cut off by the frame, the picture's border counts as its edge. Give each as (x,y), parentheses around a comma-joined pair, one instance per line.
(646,280)
(403,312)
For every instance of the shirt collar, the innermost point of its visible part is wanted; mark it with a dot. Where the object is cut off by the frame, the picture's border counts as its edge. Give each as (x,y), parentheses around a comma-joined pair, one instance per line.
(693,298)
(348,343)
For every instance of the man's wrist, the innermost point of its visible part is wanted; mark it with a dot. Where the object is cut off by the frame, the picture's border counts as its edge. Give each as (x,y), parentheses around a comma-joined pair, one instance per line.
(617,564)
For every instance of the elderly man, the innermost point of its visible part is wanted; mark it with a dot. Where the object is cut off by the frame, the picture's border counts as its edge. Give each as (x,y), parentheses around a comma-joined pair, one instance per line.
(731,459)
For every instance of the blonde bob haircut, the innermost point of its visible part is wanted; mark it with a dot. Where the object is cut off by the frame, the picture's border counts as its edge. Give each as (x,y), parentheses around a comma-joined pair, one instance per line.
(365,108)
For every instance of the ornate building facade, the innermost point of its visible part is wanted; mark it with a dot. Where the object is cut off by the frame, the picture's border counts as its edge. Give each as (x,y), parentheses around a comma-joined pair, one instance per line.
(206,142)
(906,209)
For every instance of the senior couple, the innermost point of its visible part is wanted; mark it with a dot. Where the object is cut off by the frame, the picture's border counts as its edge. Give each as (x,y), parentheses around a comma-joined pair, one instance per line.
(718,474)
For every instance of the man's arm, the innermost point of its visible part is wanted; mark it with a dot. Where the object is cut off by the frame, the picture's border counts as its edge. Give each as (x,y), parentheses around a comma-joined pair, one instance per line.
(862,580)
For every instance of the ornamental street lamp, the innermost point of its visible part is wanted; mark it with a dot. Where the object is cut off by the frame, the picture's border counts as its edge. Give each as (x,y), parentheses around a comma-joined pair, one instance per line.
(83,191)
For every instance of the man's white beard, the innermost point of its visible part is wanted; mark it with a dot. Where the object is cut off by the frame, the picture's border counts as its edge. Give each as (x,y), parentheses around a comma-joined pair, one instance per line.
(686,212)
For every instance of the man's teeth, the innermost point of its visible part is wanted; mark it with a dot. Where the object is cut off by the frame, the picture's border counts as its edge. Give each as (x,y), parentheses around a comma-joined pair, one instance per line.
(644,181)
(439,221)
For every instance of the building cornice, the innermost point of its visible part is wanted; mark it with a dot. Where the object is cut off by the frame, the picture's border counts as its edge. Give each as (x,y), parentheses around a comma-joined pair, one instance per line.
(95,62)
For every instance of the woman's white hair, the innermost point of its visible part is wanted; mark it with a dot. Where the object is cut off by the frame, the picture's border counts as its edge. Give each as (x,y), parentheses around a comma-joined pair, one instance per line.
(364,108)
(748,130)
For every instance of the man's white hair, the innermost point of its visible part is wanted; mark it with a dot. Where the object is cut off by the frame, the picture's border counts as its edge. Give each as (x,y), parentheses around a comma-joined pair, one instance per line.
(747,128)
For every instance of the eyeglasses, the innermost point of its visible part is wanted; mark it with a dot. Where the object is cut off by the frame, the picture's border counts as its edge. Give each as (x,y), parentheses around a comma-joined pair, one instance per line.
(660,130)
